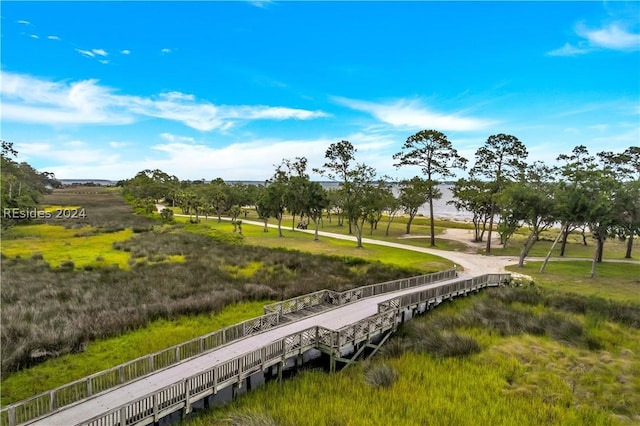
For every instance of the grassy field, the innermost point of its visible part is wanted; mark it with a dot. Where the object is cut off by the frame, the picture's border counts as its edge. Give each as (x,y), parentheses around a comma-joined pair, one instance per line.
(618,281)
(614,248)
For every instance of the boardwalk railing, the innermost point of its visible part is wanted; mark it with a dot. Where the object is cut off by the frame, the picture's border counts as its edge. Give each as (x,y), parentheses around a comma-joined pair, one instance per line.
(432,295)
(340,298)
(180,395)
(94,384)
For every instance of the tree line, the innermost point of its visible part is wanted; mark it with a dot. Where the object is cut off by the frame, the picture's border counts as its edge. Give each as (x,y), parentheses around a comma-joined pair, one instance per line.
(503,192)
(21,186)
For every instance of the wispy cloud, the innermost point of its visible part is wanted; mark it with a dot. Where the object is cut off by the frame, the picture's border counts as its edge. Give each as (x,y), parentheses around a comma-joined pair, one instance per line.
(125,52)
(262,4)
(32,100)
(104,61)
(35,36)
(614,36)
(100,52)
(165,51)
(23,22)
(568,50)
(86,53)
(54,37)
(413,114)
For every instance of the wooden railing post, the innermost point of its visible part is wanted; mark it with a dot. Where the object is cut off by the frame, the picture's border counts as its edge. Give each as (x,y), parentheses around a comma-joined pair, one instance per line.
(151,364)
(89,390)
(123,416)
(52,400)
(155,407)
(187,391)
(12,416)
(121,372)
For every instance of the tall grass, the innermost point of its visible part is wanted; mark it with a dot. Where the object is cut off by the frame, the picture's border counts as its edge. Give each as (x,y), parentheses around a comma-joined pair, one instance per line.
(109,352)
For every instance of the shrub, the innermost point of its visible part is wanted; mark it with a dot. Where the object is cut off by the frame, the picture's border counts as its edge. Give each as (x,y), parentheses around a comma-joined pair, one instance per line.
(380,375)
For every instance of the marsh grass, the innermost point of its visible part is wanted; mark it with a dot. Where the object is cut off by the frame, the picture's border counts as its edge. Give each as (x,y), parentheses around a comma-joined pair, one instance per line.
(380,375)
(106,353)
(175,273)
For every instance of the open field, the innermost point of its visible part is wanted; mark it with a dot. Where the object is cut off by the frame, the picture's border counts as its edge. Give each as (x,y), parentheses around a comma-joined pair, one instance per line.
(613,249)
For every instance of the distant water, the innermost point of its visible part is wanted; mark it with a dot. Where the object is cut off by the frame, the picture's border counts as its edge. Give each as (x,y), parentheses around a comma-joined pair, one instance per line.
(441,209)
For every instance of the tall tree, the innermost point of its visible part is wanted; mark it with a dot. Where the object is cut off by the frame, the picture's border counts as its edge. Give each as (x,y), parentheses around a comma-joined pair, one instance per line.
(340,156)
(473,195)
(626,166)
(534,200)
(572,196)
(431,151)
(414,193)
(502,158)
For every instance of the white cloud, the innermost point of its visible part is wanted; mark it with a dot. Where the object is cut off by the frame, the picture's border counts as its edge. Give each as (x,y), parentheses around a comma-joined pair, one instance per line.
(23,22)
(31,100)
(568,50)
(611,37)
(86,53)
(165,51)
(125,52)
(53,37)
(104,61)
(100,52)
(116,145)
(412,114)
(35,36)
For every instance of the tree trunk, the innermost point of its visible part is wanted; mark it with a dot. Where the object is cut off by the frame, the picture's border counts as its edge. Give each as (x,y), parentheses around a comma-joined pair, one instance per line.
(358,232)
(546,259)
(629,246)
(315,224)
(266,228)
(386,232)
(528,245)
(433,225)
(488,248)
(600,248)
(565,236)
(293,222)
(595,261)
(411,216)
(280,225)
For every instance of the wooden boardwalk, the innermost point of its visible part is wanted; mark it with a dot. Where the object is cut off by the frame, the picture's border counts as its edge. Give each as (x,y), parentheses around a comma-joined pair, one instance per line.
(343,326)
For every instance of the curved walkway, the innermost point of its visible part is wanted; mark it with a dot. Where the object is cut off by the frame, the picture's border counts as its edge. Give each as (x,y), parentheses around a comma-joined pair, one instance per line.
(473,263)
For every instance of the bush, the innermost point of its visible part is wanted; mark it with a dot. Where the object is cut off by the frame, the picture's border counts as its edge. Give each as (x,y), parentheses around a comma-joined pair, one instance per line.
(380,375)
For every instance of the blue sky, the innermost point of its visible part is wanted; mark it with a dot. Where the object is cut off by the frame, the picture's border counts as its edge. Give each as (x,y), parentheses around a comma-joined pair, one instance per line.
(228,89)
